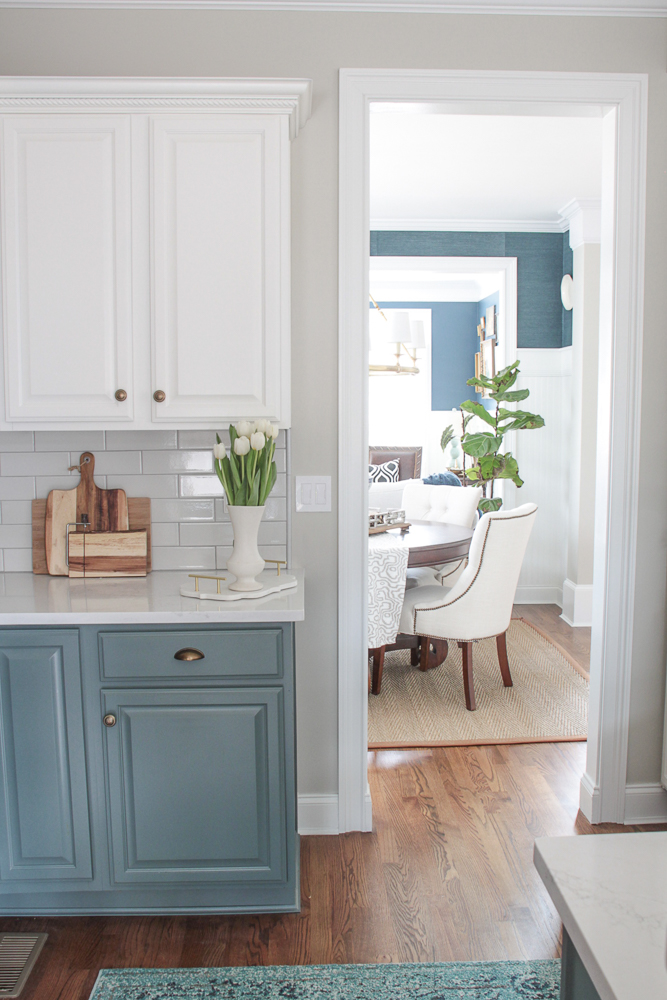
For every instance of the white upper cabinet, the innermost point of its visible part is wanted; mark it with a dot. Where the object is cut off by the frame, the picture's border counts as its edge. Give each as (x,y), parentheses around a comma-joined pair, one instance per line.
(219,248)
(67,279)
(145,250)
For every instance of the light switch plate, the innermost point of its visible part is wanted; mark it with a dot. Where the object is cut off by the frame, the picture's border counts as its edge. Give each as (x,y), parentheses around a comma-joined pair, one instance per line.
(313,494)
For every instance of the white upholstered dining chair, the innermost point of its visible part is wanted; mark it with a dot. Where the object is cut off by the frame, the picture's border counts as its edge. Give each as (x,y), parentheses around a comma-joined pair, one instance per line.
(479,605)
(450,504)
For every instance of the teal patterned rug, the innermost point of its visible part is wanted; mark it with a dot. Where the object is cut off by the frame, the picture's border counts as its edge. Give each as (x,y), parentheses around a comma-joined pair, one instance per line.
(539,980)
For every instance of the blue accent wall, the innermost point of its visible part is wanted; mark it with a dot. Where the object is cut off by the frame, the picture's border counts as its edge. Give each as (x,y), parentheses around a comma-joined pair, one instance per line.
(454,343)
(542,260)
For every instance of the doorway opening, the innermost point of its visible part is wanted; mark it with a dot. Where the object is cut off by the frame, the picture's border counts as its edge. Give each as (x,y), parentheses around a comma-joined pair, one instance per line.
(620,103)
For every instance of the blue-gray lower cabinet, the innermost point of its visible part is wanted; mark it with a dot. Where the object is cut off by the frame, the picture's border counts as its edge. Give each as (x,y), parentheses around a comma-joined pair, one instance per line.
(138,782)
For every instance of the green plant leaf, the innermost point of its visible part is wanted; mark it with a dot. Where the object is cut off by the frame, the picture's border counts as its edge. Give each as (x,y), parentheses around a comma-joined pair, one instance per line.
(487,504)
(524,422)
(477,410)
(476,445)
(512,396)
(483,382)
(447,436)
(472,473)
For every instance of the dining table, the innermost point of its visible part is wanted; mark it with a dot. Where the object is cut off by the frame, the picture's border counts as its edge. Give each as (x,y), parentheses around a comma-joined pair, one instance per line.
(431,543)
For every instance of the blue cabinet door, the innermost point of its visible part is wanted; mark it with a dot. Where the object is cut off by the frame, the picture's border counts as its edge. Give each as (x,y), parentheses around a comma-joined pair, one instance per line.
(196,782)
(44,821)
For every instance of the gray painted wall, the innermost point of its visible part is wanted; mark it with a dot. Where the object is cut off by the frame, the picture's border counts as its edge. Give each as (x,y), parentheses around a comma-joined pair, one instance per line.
(317,45)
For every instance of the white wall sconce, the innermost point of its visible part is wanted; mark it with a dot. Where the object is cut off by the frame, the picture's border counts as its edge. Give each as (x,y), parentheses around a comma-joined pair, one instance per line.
(567,292)
(403,334)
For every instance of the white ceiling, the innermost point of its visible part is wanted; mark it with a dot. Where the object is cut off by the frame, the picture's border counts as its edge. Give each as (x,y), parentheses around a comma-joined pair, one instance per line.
(439,171)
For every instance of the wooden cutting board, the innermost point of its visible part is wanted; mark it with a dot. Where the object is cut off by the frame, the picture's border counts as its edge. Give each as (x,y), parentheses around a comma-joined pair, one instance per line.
(104,510)
(108,553)
(139,516)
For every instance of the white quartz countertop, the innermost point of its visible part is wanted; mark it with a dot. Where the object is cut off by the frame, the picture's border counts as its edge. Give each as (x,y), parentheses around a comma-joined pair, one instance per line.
(610,891)
(27,599)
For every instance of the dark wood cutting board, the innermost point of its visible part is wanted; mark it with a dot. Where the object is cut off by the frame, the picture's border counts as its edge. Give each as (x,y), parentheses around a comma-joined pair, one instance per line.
(106,510)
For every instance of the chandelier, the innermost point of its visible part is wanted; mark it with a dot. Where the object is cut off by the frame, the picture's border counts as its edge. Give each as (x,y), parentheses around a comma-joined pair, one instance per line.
(404,335)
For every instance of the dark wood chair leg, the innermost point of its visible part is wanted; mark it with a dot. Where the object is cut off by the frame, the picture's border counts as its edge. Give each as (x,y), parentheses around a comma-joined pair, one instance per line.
(378,665)
(469,688)
(433,653)
(501,643)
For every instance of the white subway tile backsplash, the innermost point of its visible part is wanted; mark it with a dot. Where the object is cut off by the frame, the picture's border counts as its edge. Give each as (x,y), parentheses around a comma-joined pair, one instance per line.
(77,441)
(115,463)
(182,510)
(17,560)
(191,528)
(218,533)
(201,439)
(17,488)
(16,512)
(158,487)
(140,440)
(200,486)
(15,536)
(183,557)
(34,464)
(17,441)
(177,461)
(164,533)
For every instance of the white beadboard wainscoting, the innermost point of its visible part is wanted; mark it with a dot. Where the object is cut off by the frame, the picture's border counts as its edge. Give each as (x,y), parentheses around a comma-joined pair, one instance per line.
(190,524)
(543,465)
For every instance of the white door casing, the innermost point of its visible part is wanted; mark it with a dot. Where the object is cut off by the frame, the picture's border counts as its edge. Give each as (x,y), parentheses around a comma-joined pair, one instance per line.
(622,101)
(66,205)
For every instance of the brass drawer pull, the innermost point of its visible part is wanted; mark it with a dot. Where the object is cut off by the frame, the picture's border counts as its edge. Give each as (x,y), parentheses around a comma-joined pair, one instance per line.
(109,721)
(189,654)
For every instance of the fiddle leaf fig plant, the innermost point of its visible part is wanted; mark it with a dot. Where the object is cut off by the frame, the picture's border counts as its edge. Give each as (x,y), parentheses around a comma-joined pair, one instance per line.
(489,463)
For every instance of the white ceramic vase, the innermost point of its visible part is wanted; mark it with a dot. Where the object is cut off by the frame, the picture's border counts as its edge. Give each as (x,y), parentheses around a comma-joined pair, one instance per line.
(245,561)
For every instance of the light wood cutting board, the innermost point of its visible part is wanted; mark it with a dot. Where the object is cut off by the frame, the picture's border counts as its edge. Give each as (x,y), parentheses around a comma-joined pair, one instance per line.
(108,553)
(139,516)
(104,510)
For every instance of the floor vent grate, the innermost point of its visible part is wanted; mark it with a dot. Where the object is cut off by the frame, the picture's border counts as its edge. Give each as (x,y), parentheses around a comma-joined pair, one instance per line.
(18,954)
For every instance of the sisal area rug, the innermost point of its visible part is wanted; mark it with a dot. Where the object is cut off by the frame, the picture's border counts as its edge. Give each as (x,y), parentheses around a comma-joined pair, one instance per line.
(548,702)
(538,980)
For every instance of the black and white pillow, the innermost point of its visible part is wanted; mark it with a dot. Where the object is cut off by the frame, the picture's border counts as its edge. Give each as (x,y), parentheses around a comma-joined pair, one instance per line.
(385,473)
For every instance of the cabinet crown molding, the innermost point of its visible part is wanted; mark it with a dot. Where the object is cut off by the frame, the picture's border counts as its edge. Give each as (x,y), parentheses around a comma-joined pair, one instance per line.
(245,95)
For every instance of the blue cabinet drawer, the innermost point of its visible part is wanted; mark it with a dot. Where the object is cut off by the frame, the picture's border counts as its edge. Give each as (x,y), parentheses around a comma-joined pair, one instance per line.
(228,653)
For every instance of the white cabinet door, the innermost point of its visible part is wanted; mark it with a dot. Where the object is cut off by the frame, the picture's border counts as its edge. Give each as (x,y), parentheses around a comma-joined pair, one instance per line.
(220,261)
(67,265)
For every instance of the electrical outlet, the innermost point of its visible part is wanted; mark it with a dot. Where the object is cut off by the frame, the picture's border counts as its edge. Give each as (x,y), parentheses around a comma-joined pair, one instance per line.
(313,494)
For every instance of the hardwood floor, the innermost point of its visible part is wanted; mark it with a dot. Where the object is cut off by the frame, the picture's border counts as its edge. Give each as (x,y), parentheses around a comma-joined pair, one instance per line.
(447,875)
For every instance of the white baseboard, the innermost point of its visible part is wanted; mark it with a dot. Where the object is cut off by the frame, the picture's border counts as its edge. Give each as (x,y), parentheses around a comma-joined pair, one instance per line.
(539,595)
(318,815)
(645,803)
(589,799)
(577,604)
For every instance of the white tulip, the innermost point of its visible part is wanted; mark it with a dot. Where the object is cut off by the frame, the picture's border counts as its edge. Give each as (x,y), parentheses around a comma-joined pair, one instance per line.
(257,441)
(263,426)
(244,428)
(242,445)
(275,431)
(219,451)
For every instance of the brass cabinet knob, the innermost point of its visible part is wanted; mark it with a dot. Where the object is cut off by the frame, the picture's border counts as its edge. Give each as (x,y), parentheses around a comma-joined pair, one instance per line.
(109,720)
(159,396)
(120,395)
(189,654)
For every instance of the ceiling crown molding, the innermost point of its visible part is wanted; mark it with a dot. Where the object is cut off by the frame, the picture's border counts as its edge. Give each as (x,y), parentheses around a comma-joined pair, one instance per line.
(586,8)
(583,218)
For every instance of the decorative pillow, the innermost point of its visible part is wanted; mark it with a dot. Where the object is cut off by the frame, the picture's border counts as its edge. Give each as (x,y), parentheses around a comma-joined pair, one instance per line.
(385,473)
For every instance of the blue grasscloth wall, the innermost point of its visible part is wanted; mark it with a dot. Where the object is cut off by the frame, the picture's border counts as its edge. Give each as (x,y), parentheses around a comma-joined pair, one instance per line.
(542,260)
